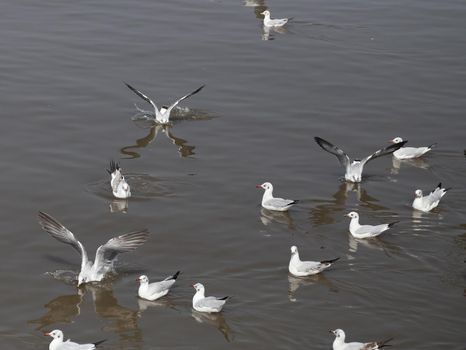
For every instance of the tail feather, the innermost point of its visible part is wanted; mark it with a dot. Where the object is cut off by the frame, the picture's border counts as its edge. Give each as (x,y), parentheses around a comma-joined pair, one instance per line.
(175,276)
(329,261)
(99,342)
(383,343)
(392,223)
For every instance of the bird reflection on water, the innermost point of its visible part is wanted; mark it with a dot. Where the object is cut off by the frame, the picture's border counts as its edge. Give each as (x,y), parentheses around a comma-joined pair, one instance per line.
(284,218)
(118,319)
(325,211)
(214,319)
(296,282)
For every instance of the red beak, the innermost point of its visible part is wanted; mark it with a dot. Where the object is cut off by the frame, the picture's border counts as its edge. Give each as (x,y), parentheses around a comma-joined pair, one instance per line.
(258,186)
(46,334)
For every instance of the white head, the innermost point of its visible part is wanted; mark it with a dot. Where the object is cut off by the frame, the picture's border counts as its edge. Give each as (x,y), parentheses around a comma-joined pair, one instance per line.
(339,334)
(418,193)
(396,140)
(266,186)
(294,250)
(198,287)
(142,279)
(55,334)
(353,215)
(266,13)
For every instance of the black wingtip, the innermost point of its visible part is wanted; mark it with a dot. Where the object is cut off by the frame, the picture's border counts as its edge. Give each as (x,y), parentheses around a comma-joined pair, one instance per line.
(439,185)
(224,298)
(113,167)
(432,145)
(383,343)
(175,276)
(295,201)
(393,223)
(99,342)
(329,261)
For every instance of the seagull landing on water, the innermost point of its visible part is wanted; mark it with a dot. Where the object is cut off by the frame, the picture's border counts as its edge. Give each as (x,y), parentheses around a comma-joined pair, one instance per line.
(410,152)
(202,303)
(162,115)
(58,344)
(105,255)
(120,187)
(271,203)
(354,168)
(366,231)
(429,202)
(306,268)
(339,343)
(273,22)
(155,290)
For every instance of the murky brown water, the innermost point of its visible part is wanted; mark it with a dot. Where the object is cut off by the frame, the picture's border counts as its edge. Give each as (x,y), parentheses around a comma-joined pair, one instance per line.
(355,73)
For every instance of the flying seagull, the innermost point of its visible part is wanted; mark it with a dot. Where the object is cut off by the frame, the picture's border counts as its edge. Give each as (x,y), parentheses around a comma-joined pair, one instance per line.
(354,168)
(105,255)
(162,115)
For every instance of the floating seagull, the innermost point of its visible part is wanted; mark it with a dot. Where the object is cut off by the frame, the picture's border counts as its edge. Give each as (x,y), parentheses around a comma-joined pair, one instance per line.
(429,202)
(202,303)
(155,290)
(353,168)
(339,343)
(120,187)
(273,22)
(366,231)
(410,152)
(105,255)
(58,344)
(162,116)
(271,203)
(306,268)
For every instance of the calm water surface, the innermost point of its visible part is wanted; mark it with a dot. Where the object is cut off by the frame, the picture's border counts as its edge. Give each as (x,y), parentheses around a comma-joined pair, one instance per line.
(355,73)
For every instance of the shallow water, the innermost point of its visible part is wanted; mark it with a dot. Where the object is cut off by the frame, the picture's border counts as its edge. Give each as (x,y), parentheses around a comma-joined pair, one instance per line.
(355,73)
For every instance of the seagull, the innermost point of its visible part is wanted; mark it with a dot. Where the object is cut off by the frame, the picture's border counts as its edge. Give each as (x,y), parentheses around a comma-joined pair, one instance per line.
(429,202)
(339,343)
(353,168)
(306,268)
(273,22)
(271,203)
(410,152)
(120,187)
(202,303)
(162,115)
(366,231)
(155,290)
(105,255)
(58,344)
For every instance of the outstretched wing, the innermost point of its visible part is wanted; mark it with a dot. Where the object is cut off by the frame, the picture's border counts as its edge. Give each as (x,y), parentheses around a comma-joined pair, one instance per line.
(125,243)
(327,146)
(61,233)
(174,104)
(145,98)
(384,151)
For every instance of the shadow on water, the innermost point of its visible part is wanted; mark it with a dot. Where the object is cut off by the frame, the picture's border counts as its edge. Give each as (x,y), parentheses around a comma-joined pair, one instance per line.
(146,121)
(269,217)
(215,319)
(325,211)
(417,163)
(118,319)
(296,282)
